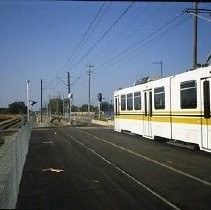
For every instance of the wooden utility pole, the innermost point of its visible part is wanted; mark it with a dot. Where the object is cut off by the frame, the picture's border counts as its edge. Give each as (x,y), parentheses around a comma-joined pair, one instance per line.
(41,102)
(89,75)
(195,37)
(195,11)
(69,95)
(27,99)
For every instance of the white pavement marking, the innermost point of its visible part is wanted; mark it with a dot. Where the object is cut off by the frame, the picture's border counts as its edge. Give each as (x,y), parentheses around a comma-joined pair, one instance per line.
(53,170)
(151,160)
(124,172)
(47,142)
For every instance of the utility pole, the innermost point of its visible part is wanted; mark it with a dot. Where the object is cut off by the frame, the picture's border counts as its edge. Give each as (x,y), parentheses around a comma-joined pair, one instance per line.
(89,75)
(50,106)
(63,106)
(69,96)
(41,103)
(194,11)
(68,81)
(57,106)
(195,37)
(27,98)
(46,105)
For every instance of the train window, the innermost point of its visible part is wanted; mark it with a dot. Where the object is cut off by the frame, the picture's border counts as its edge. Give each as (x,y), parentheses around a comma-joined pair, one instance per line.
(123,102)
(188,97)
(130,101)
(159,98)
(137,100)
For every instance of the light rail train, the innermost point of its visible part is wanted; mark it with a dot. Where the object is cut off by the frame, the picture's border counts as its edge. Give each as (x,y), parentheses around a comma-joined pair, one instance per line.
(175,107)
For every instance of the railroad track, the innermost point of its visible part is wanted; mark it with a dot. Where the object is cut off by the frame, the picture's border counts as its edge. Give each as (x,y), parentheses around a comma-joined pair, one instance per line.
(11,123)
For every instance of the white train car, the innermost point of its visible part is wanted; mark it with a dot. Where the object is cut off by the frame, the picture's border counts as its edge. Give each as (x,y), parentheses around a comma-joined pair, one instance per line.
(175,107)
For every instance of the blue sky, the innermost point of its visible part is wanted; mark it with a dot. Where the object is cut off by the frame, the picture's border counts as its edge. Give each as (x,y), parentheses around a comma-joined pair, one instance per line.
(37,40)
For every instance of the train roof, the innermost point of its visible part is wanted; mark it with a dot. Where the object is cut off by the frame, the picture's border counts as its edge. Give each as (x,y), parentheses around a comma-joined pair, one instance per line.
(200,72)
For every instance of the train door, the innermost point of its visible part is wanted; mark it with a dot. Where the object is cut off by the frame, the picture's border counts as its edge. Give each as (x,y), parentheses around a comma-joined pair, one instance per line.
(205,120)
(147,124)
(116,114)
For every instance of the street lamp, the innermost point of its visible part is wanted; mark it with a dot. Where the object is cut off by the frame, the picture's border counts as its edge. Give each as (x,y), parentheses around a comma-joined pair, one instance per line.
(27,98)
(161,67)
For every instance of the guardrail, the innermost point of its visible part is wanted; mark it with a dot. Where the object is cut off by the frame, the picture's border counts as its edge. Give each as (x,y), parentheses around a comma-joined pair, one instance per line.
(12,158)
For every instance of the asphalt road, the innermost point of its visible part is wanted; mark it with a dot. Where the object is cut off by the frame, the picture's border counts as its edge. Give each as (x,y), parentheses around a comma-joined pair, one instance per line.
(97,168)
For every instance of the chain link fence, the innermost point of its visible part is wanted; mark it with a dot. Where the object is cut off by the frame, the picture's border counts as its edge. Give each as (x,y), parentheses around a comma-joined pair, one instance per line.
(12,158)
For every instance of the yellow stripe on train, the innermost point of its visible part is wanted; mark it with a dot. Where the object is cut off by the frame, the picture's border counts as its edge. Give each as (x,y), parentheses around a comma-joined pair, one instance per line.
(167,119)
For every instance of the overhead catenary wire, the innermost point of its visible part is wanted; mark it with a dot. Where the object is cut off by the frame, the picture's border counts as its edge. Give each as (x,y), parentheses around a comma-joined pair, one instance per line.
(146,21)
(142,40)
(133,48)
(93,29)
(103,36)
(147,42)
(78,44)
(108,30)
(125,53)
(131,51)
(202,17)
(117,38)
(98,41)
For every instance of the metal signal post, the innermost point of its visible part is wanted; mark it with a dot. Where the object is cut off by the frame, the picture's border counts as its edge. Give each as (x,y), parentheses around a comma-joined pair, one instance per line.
(89,74)
(27,99)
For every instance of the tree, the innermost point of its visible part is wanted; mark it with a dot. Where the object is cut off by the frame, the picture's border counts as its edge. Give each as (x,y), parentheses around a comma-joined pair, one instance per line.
(84,108)
(17,108)
(3,110)
(56,105)
(74,108)
(107,107)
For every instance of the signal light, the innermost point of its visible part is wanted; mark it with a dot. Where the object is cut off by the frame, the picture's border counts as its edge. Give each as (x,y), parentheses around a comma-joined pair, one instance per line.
(99,96)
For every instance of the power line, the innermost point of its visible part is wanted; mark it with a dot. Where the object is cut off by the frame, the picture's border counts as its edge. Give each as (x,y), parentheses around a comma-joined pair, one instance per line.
(103,36)
(89,75)
(48,85)
(132,32)
(163,33)
(142,40)
(87,31)
(95,26)
(131,49)
(145,43)
(134,46)
(98,41)
(117,20)
(204,18)
(194,11)
(79,77)
(79,43)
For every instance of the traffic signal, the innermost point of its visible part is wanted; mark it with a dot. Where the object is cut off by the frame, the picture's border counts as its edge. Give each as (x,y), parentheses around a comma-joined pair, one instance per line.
(99,96)
(70,96)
